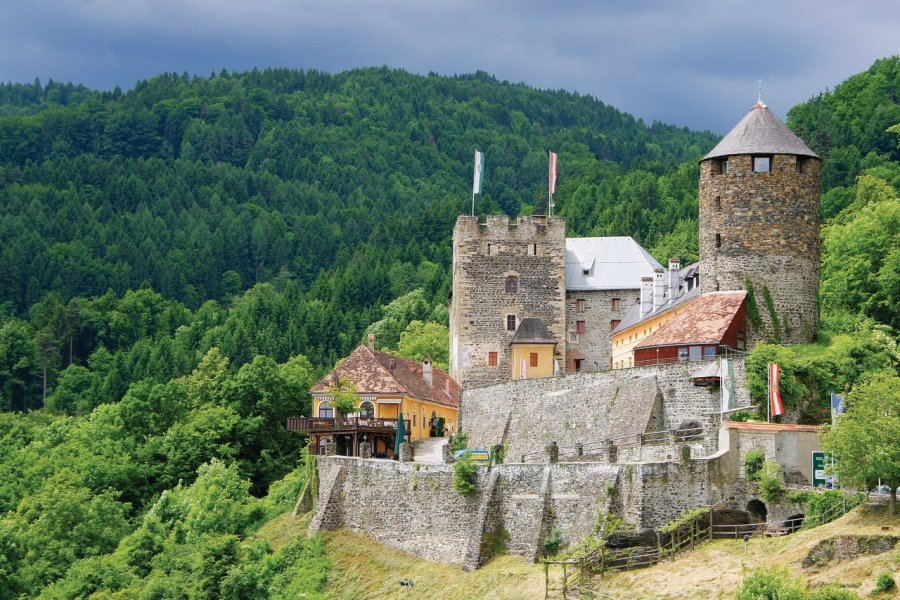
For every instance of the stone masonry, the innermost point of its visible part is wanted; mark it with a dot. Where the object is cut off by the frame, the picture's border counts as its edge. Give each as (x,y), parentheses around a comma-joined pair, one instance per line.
(764,227)
(485,255)
(600,309)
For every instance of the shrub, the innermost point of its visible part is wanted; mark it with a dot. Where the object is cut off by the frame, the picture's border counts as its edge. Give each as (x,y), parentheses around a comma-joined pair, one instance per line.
(885,583)
(769,583)
(753,464)
(498,453)
(465,476)
(771,488)
(460,441)
(553,543)
(832,592)
(827,506)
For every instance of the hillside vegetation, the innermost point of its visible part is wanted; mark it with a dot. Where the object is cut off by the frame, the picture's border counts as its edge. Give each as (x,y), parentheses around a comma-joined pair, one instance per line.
(180,262)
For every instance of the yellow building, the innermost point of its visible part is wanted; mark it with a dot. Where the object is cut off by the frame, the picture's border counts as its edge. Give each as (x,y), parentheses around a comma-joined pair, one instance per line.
(386,386)
(655,309)
(532,350)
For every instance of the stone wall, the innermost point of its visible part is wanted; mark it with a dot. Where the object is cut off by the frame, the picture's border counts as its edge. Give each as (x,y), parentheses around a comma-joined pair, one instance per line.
(595,344)
(484,255)
(578,408)
(418,511)
(768,228)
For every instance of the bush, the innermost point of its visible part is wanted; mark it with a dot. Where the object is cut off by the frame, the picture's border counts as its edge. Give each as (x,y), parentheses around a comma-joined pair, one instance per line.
(552,544)
(465,476)
(753,464)
(827,506)
(769,583)
(770,486)
(833,592)
(460,441)
(885,583)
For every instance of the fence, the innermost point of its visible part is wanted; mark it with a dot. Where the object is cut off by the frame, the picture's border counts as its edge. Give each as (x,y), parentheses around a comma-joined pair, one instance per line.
(692,529)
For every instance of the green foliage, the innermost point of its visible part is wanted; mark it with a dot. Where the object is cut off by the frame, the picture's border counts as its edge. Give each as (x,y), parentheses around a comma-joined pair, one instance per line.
(832,592)
(864,439)
(824,507)
(465,476)
(552,543)
(752,307)
(700,515)
(498,453)
(344,397)
(419,339)
(769,583)
(771,486)
(460,441)
(773,314)
(754,461)
(885,583)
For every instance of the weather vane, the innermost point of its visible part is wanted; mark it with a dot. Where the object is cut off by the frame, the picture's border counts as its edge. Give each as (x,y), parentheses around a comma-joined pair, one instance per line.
(759,97)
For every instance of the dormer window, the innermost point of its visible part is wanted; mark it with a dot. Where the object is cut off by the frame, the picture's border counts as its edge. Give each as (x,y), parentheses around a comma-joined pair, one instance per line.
(762,164)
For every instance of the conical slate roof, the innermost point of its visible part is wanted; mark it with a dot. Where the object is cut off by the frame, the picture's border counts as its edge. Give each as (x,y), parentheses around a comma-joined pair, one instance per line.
(760,132)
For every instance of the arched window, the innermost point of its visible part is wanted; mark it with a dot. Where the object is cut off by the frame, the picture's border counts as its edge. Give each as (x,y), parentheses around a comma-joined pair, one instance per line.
(512,284)
(325,410)
(367,410)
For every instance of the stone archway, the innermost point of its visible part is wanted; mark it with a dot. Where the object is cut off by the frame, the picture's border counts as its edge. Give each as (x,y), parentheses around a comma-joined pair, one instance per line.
(757,510)
(794,522)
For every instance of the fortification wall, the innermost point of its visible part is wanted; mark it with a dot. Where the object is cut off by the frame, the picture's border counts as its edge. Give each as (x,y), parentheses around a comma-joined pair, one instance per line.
(579,408)
(764,227)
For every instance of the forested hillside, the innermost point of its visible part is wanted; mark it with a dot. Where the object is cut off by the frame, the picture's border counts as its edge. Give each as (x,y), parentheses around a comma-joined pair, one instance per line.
(179,262)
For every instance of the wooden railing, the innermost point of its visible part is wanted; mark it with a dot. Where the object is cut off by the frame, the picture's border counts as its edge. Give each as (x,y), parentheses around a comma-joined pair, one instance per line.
(327,424)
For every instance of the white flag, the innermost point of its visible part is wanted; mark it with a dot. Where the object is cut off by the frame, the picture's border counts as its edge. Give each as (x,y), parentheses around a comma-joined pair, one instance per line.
(479,172)
(554,159)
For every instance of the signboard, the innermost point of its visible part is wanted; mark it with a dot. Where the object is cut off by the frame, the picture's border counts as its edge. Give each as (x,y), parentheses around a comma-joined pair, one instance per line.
(820,460)
(479,457)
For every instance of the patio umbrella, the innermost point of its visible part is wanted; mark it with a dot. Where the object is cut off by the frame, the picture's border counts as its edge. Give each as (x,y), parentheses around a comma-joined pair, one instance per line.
(401,433)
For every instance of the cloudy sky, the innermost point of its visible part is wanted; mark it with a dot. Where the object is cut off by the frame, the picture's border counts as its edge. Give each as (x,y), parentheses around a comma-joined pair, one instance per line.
(691,62)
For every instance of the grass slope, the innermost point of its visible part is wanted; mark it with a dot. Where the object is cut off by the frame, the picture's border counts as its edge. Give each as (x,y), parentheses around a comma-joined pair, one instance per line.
(715,570)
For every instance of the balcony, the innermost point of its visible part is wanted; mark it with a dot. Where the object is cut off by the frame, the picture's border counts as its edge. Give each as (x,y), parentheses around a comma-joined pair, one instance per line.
(330,425)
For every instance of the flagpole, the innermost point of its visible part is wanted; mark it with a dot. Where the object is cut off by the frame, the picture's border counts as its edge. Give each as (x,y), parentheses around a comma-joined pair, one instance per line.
(550,185)
(768,391)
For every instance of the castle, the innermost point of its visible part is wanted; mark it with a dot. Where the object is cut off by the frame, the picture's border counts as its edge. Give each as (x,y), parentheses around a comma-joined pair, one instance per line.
(576,359)
(759,233)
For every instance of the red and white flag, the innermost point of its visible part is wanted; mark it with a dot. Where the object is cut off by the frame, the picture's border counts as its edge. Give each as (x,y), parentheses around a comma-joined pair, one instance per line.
(775,405)
(553,161)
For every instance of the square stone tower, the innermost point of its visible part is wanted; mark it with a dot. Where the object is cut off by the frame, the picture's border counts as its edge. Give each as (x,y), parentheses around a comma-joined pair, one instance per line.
(503,273)
(759,223)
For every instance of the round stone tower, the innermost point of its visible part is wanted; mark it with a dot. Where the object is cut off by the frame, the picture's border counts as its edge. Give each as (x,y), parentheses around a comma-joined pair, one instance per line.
(759,226)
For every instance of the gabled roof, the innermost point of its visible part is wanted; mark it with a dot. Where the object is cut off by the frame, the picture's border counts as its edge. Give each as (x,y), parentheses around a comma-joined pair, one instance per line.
(633,317)
(760,132)
(376,372)
(532,331)
(703,321)
(612,263)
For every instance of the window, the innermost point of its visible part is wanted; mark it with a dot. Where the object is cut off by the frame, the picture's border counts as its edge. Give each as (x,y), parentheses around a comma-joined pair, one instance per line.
(718,240)
(802,164)
(579,305)
(718,202)
(720,167)
(325,411)
(709,352)
(614,323)
(580,327)
(512,284)
(724,166)
(616,304)
(490,249)
(682,353)
(492,359)
(367,410)
(414,418)
(532,249)
(579,365)
(533,359)
(695,352)
(762,164)
(510,322)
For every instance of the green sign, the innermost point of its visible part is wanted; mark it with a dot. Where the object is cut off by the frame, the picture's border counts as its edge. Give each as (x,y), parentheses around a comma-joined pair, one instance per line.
(820,460)
(479,457)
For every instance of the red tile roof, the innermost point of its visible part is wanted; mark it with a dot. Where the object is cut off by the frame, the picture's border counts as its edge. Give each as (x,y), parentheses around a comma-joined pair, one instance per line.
(376,372)
(750,426)
(703,321)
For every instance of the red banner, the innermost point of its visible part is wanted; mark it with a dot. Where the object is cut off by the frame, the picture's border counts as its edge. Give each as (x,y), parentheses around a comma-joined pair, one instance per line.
(775,405)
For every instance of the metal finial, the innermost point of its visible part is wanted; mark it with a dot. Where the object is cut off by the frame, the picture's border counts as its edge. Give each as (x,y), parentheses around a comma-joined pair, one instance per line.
(759,98)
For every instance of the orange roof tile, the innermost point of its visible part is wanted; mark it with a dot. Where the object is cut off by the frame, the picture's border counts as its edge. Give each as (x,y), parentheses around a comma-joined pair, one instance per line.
(376,372)
(703,321)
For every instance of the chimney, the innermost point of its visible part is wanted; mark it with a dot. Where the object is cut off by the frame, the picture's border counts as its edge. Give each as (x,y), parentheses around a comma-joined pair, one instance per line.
(426,369)
(371,343)
(659,288)
(646,295)
(674,282)
(447,385)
